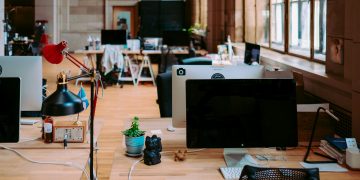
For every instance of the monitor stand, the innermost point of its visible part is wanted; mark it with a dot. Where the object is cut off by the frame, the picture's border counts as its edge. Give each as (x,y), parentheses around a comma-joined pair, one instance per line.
(238,157)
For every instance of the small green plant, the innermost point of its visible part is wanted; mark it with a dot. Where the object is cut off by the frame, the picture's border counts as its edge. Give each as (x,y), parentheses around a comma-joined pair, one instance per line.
(134,130)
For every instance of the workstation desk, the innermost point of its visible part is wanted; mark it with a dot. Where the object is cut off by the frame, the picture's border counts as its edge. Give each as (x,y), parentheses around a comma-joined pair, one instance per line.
(203,164)
(76,156)
(91,54)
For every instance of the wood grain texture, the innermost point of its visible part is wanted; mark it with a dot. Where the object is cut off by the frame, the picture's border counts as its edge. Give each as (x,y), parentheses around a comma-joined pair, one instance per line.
(200,164)
(117,105)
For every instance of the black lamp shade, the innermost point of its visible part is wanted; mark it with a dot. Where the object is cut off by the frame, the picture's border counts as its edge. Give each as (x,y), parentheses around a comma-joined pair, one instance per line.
(62,102)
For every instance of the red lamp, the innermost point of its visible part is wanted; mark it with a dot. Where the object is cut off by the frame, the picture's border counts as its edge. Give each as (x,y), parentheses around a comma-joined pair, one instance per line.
(63,102)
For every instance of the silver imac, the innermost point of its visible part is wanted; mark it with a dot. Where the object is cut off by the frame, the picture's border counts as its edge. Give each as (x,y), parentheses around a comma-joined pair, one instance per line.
(181,73)
(29,70)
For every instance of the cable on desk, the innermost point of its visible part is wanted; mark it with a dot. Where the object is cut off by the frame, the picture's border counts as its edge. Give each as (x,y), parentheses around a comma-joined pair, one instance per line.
(133,167)
(69,164)
(164,152)
(23,140)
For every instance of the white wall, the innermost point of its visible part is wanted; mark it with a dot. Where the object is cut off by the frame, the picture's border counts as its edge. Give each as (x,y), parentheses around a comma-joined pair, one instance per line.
(47,10)
(2,38)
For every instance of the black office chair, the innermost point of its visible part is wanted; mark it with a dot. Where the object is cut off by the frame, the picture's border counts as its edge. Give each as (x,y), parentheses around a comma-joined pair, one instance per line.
(164,92)
(259,173)
(167,59)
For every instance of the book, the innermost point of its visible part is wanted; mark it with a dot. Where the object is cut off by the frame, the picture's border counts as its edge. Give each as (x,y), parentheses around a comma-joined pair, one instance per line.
(338,143)
(332,152)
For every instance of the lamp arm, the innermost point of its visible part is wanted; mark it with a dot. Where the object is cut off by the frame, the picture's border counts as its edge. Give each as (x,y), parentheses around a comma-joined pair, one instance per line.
(76,62)
(80,76)
(312,137)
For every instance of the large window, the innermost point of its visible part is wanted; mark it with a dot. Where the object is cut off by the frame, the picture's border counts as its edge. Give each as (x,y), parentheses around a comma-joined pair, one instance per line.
(320,29)
(263,22)
(299,27)
(296,27)
(277,24)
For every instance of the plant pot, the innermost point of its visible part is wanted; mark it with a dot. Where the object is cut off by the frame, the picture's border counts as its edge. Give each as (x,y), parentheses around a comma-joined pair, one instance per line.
(134,145)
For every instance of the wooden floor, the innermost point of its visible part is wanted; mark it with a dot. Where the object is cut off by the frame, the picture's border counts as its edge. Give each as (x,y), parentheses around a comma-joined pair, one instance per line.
(117,105)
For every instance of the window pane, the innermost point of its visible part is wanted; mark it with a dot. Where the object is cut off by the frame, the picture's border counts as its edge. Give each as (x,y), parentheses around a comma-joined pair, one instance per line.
(262,22)
(277,24)
(320,29)
(299,35)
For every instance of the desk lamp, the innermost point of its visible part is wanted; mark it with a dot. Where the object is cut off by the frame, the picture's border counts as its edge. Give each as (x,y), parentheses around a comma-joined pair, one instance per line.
(332,160)
(63,102)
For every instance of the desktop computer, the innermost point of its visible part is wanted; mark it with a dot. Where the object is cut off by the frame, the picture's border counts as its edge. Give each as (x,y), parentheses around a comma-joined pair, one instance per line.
(238,113)
(181,73)
(29,70)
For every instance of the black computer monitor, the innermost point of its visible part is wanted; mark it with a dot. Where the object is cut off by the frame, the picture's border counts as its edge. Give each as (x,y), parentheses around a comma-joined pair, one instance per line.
(241,113)
(113,37)
(176,38)
(9,109)
(252,53)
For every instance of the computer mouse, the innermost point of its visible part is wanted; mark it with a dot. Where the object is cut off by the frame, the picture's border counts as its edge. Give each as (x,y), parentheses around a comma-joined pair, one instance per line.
(170,128)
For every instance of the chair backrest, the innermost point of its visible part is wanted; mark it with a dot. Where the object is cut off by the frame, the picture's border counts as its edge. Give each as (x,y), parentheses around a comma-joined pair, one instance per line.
(163,82)
(259,173)
(196,61)
(167,59)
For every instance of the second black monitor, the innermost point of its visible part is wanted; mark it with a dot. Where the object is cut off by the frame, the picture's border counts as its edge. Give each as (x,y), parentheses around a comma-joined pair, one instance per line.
(176,38)
(113,37)
(252,54)
(241,113)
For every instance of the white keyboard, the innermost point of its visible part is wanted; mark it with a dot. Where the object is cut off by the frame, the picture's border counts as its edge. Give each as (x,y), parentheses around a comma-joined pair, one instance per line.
(231,172)
(28,121)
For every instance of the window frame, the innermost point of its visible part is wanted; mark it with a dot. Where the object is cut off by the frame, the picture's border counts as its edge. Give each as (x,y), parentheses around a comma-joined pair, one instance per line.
(287,33)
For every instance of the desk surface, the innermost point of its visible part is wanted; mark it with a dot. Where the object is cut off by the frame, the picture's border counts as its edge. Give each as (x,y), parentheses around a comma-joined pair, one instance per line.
(203,164)
(13,166)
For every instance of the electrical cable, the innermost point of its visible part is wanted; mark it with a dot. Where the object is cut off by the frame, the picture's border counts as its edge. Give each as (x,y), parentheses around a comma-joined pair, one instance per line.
(133,167)
(69,164)
(164,152)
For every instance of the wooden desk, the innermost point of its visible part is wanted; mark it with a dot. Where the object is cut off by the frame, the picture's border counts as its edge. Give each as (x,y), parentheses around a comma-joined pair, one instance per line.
(13,166)
(204,164)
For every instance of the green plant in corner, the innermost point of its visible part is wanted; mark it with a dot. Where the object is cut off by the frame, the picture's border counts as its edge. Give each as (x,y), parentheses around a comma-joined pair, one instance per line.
(134,130)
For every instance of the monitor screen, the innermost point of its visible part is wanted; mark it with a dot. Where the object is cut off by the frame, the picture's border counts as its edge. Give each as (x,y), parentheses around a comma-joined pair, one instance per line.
(252,54)
(29,70)
(181,73)
(114,37)
(9,109)
(176,38)
(241,113)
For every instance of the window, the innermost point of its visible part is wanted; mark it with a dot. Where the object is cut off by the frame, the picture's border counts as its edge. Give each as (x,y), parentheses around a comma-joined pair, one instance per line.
(299,27)
(320,29)
(263,22)
(296,27)
(277,24)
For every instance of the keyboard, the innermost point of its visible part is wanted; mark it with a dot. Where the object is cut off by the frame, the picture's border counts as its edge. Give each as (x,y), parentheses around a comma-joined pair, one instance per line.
(231,172)
(28,121)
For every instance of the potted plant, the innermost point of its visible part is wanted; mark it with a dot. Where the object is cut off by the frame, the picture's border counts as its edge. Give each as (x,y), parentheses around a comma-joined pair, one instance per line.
(134,138)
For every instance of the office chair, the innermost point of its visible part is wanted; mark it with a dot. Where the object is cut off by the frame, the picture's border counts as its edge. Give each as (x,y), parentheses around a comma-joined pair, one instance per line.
(164,86)
(164,92)
(167,59)
(259,173)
